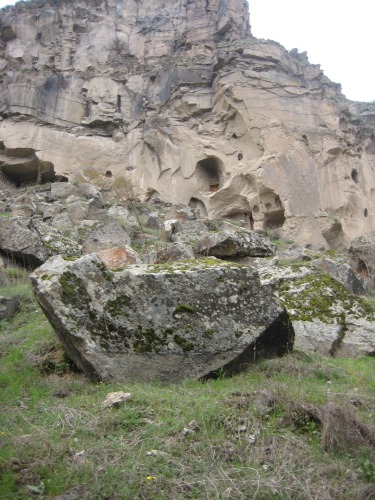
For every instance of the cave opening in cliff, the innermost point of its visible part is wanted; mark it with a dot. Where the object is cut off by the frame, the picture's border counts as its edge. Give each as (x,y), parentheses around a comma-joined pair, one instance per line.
(198,205)
(355,175)
(209,174)
(274,220)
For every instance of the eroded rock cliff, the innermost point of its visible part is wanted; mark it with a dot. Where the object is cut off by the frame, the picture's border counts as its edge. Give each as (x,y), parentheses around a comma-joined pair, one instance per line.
(182,100)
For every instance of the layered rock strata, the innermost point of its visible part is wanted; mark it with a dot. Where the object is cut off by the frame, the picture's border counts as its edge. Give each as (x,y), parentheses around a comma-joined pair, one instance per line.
(180,99)
(186,319)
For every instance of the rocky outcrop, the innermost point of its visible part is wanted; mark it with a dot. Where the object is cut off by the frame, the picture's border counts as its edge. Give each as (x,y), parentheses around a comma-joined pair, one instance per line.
(184,103)
(326,316)
(362,253)
(32,242)
(21,167)
(186,319)
(218,239)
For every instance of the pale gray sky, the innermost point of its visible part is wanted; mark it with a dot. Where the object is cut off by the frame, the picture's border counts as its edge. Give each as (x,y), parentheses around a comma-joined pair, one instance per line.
(337,34)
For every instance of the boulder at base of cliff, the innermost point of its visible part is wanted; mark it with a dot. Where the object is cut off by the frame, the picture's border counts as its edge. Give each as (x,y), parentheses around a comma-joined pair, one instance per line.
(184,319)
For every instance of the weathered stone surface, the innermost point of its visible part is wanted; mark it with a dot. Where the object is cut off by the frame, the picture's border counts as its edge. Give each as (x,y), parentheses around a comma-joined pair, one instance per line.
(362,253)
(359,339)
(116,399)
(108,234)
(235,244)
(318,336)
(218,240)
(340,270)
(32,242)
(327,317)
(181,213)
(192,109)
(118,257)
(188,319)
(17,240)
(62,190)
(176,251)
(54,241)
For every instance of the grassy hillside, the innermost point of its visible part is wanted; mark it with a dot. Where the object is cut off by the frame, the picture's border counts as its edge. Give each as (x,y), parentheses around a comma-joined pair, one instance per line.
(299,427)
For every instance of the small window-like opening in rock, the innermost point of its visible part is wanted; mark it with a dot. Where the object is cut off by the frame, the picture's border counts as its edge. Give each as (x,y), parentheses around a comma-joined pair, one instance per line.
(362,268)
(38,36)
(305,140)
(79,29)
(108,174)
(209,174)
(119,103)
(240,156)
(234,136)
(278,202)
(256,209)
(199,207)
(365,213)
(355,175)
(268,207)
(61,178)
(274,220)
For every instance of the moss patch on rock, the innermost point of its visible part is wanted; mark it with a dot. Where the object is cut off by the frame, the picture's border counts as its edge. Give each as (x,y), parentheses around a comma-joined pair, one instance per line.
(73,288)
(318,296)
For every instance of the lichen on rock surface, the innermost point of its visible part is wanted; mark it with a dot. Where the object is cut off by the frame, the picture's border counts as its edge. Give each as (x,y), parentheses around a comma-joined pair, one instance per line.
(186,319)
(326,315)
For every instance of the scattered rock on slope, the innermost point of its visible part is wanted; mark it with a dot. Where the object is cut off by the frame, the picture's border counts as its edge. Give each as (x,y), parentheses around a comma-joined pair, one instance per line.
(223,241)
(186,319)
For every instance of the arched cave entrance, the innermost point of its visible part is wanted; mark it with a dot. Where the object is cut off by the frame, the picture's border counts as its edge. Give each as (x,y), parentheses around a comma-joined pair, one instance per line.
(198,205)
(209,174)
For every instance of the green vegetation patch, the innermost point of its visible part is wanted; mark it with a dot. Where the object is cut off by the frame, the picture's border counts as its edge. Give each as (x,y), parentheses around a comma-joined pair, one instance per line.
(183,343)
(182,308)
(147,340)
(73,289)
(320,296)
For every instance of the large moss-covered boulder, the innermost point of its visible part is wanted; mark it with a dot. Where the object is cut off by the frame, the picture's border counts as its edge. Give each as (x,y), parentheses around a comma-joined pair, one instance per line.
(186,319)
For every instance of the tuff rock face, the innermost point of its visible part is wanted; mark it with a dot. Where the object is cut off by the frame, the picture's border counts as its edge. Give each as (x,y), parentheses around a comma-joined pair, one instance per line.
(171,321)
(180,98)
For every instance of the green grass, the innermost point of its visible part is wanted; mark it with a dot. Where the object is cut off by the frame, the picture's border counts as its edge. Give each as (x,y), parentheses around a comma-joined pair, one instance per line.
(251,436)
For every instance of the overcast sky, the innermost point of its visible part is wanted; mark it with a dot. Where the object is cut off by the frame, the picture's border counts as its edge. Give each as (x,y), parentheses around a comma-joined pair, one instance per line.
(337,34)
